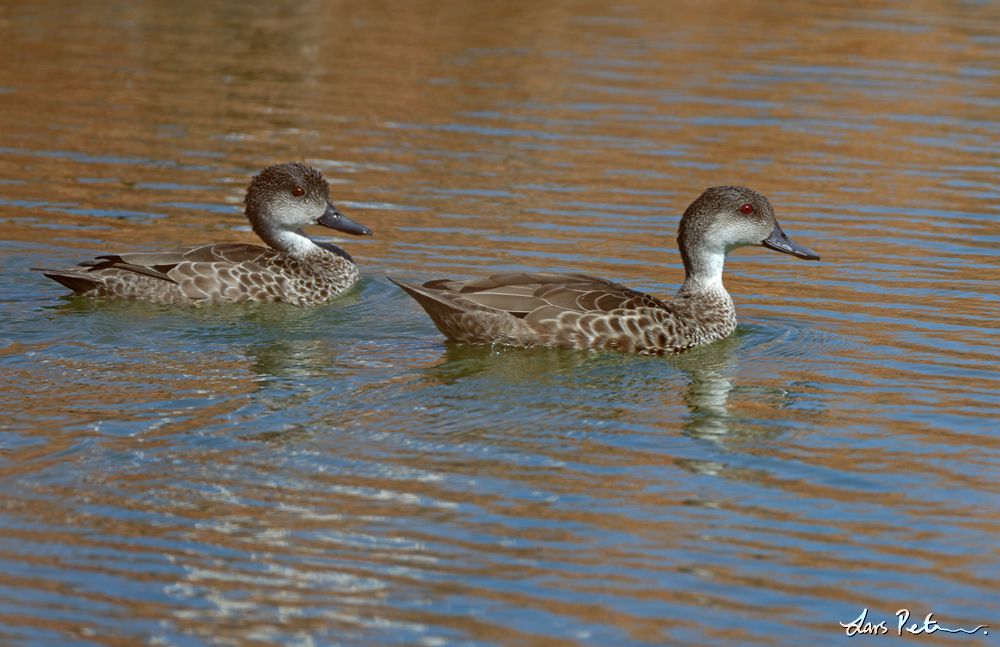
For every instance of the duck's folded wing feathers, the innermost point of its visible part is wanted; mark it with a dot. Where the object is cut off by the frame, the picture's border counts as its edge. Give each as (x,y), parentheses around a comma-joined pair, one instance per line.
(234,253)
(201,271)
(540,296)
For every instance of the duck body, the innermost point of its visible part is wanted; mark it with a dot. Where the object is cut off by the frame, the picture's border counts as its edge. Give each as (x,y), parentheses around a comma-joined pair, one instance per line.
(294,269)
(212,273)
(571,311)
(586,312)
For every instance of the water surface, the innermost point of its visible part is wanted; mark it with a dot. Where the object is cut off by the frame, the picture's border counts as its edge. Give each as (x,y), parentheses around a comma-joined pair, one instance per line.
(266,475)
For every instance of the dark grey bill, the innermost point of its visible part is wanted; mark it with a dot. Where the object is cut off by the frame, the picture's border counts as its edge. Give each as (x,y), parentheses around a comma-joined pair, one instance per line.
(779,242)
(336,220)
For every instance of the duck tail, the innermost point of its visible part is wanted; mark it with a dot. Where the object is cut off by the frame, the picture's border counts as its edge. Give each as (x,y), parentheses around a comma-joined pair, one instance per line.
(71,280)
(429,300)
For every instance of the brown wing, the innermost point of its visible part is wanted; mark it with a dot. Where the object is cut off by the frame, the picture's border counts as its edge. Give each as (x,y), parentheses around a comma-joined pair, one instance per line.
(536,297)
(574,310)
(220,272)
(165,260)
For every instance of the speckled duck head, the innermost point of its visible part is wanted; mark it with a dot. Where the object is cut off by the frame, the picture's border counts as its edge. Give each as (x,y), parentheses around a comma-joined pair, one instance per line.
(283,198)
(722,219)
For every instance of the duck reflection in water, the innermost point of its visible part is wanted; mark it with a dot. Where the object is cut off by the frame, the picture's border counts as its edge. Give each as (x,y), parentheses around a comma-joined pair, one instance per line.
(609,388)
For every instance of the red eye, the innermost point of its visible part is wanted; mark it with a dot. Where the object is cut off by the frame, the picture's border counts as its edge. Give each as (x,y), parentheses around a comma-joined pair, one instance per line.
(298,191)
(747,208)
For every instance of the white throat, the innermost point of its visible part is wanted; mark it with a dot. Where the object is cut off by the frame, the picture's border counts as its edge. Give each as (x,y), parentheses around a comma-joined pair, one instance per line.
(294,243)
(707,272)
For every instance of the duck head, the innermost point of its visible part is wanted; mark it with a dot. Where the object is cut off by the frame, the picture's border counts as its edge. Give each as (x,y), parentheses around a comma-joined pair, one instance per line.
(283,198)
(724,218)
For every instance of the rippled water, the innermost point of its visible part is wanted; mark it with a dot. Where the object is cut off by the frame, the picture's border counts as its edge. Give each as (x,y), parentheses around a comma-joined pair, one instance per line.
(266,475)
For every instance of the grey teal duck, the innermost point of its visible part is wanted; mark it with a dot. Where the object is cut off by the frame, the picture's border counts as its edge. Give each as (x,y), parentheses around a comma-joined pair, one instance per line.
(581,311)
(293,269)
